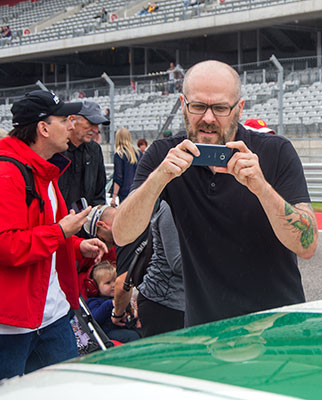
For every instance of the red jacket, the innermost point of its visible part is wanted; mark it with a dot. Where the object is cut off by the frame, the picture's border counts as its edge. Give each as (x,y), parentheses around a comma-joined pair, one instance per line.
(29,237)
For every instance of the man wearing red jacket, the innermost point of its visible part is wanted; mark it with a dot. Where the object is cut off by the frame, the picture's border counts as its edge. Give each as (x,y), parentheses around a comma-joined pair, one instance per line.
(38,249)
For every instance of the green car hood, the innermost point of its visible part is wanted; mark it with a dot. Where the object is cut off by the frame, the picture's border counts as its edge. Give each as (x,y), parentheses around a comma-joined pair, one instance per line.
(277,351)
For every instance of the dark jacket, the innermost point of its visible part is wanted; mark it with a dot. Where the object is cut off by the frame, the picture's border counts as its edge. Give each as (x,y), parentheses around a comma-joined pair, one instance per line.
(101,309)
(124,173)
(93,177)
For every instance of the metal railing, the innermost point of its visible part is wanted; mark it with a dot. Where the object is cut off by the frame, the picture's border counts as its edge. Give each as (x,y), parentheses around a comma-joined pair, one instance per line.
(313,175)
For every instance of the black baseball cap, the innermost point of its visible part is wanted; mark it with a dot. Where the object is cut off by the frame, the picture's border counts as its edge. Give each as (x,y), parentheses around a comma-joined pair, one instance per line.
(38,105)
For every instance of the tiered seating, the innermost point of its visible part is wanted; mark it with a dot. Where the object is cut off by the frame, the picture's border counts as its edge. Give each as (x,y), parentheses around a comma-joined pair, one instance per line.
(144,113)
(302,108)
(82,22)
(26,15)
(260,101)
(5,117)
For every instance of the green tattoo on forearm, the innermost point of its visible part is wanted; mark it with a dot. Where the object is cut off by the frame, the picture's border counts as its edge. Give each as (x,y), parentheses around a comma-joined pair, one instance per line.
(303,223)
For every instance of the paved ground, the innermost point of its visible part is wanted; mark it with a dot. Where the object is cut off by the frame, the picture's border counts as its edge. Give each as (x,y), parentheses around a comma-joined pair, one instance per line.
(311,271)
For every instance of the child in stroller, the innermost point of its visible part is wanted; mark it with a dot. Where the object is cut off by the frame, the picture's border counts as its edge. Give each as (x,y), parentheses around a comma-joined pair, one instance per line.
(100,290)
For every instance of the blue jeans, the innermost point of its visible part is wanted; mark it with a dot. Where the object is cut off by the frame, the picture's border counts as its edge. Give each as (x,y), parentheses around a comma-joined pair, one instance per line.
(26,352)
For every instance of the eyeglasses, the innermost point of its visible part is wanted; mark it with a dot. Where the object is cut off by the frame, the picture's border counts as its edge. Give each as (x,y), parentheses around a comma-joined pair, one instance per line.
(218,110)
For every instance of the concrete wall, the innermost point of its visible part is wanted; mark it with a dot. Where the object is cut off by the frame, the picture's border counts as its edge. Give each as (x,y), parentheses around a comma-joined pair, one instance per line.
(309,150)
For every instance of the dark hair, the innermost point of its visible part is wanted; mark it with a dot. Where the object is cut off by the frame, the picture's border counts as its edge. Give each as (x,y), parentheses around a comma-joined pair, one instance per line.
(141,141)
(26,133)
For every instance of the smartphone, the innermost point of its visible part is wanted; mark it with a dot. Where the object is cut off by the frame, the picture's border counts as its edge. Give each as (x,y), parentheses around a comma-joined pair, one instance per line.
(79,205)
(213,155)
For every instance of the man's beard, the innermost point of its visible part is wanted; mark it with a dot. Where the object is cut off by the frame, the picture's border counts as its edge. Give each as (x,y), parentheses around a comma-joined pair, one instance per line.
(222,136)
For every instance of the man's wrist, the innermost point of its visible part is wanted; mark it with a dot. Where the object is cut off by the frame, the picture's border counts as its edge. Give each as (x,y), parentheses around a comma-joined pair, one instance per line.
(117,316)
(266,192)
(62,230)
(158,180)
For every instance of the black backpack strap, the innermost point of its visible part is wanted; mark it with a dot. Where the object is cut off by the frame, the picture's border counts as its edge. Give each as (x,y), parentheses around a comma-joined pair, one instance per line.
(141,257)
(140,262)
(26,172)
(128,280)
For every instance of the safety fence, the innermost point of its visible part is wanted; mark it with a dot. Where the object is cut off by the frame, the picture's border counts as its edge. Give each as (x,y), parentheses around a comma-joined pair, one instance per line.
(313,175)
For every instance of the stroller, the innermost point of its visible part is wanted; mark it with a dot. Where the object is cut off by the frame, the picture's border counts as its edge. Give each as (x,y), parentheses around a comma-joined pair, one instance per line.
(90,336)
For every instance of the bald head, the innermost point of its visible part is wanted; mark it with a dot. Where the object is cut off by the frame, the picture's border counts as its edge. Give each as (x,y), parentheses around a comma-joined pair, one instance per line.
(108,215)
(104,226)
(209,71)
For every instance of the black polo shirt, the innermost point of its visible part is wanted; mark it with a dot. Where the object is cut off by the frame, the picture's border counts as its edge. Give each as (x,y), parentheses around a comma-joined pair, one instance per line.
(233,263)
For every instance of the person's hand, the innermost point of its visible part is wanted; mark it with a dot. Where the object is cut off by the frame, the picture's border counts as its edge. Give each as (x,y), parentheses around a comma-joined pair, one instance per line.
(113,203)
(244,166)
(138,324)
(93,248)
(119,321)
(72,223)
(178,160)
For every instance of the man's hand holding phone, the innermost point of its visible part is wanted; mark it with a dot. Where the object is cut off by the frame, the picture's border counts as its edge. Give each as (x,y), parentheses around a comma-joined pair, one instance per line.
(244,166)
(176,162)
(72,223)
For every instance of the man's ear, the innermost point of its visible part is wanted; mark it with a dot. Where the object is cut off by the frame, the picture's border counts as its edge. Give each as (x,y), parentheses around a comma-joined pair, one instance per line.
(103,225)
(72,119)
(241,107)
(42,127)
(182,103)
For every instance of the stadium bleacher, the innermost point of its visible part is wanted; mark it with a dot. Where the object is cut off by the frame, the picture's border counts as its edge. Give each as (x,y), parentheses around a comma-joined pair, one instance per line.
(145,113)
(46,20)
(146,110)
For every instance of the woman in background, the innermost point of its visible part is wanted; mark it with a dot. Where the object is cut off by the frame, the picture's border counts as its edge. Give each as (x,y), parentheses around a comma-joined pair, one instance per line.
(142,145)
(125,162)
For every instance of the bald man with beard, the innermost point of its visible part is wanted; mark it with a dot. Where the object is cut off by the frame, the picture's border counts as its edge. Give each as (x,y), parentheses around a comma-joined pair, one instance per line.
(240,227)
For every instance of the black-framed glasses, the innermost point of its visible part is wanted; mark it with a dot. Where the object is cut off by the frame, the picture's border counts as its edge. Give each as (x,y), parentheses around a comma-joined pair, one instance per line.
(218,110)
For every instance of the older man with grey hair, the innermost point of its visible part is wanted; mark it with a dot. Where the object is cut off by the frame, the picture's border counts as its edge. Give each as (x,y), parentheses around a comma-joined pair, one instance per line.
(86,176)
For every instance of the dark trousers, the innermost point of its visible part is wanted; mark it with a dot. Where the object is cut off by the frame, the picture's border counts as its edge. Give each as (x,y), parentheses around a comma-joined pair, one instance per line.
(156,318)
(26,352)
(122,335)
